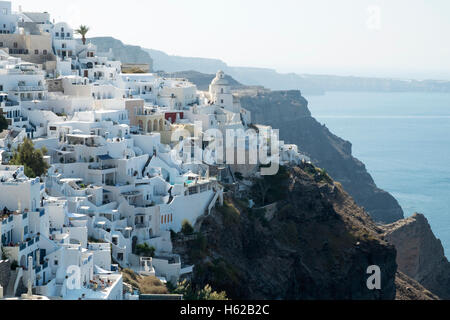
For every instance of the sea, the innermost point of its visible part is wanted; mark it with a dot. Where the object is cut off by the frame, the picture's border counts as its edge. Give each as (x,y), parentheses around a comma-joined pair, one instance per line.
(404,141)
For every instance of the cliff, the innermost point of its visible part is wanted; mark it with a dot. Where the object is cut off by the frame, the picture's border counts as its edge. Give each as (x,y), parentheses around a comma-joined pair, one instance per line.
(288,110)
(317,245)
(121,51)
(420,254)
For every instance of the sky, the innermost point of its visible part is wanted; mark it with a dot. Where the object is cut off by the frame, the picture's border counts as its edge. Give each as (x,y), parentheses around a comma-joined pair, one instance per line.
(386,38)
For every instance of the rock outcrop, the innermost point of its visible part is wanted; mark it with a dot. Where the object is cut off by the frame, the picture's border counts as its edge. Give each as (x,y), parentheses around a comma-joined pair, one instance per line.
(318,245)
(409,289)
(288,111)
(420,254)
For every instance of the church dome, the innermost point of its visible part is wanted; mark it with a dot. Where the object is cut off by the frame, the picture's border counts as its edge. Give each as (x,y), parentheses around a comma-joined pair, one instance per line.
(220,80)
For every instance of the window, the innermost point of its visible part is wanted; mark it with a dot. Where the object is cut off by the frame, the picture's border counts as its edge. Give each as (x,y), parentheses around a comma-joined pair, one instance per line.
(1,44)
(5,11)
(57,34)
(63,46)
(68,35)
(44,52)
(55,262)
(15,45)
(36,51)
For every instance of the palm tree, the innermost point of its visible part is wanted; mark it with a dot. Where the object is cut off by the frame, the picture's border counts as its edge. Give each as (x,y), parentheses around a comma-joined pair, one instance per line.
(82,30)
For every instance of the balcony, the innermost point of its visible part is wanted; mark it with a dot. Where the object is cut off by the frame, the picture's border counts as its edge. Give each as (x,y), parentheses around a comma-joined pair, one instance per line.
(29,88)
(102,168)
(20,119)
(11,104)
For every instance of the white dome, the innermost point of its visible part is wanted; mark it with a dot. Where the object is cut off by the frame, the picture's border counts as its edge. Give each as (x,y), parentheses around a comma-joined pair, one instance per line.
(220,80)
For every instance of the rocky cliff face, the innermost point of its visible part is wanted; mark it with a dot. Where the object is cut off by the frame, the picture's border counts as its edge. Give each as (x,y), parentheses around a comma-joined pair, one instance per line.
(420,254)
(318,245)
(288,111)
(409,289)
(122,52)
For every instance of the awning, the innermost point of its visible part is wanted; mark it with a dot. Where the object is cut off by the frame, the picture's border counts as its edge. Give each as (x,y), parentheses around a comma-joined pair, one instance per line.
(75,215)
(105,157)
(99,270)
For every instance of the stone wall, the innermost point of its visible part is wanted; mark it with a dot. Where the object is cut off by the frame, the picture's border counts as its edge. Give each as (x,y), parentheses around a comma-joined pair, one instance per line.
(5,272)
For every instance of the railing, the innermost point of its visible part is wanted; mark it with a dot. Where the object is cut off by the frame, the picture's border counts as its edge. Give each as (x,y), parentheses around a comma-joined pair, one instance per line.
(100,168)
(29,88)
(11,104)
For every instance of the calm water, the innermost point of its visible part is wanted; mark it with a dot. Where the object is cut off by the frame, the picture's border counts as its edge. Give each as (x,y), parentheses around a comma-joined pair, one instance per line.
(404,140)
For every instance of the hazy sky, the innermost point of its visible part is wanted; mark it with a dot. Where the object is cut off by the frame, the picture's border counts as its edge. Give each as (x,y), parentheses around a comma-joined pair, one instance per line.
(399,38)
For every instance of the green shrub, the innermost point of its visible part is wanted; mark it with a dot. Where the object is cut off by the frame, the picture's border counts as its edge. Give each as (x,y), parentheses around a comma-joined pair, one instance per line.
(145,250)
(186,228)
(14,265)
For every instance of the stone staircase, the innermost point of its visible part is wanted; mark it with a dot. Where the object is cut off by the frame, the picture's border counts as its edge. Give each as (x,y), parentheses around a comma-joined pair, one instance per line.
(10,290)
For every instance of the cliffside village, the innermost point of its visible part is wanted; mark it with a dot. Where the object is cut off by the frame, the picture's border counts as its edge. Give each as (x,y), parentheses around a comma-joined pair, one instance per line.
(117,178)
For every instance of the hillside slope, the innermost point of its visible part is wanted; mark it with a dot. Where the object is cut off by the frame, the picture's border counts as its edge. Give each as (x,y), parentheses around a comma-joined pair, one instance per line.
(318,245)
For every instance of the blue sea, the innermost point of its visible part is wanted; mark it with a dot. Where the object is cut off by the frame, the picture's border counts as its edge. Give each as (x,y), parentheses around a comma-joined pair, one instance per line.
(404,140)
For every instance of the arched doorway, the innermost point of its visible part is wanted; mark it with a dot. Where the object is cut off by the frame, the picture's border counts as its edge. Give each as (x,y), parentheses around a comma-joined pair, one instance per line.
(141,125)
(155,125)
